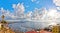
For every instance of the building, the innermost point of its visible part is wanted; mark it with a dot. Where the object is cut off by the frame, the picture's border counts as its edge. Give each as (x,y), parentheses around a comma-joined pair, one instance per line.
(56,29)
(4,28)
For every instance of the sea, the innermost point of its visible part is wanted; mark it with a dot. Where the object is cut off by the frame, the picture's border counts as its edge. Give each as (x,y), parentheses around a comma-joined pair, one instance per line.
(26,26)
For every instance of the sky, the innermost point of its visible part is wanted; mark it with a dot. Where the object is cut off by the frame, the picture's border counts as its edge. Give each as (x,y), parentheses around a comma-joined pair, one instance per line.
(30,9)
(28,4)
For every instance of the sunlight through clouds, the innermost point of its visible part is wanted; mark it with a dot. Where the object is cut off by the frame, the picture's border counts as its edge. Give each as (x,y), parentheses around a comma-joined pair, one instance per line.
(52,13)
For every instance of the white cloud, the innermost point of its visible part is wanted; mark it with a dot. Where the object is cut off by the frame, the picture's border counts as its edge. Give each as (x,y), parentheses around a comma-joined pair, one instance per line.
(33,0)
(19,10)
(56,2)
(44,15)
(36,1)
(7,13)
(58,8)
(28,15)
(37,15)
(52,13)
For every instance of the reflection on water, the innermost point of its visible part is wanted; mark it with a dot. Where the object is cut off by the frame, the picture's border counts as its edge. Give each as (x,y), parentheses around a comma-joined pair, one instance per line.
(28,25)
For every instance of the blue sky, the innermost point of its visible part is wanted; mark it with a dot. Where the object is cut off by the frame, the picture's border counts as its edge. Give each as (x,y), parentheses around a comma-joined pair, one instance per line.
(48,14)
(28,8)
(29,5)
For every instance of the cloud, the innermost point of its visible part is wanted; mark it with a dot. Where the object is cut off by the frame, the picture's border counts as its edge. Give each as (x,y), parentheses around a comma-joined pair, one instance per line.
(29,14)
(33,0)
(58,8)
(18,13)
(7,13)
(44,15)
(56,2)
(19,7)
(36,1)
(36,15)
(40,15)
(19,10)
